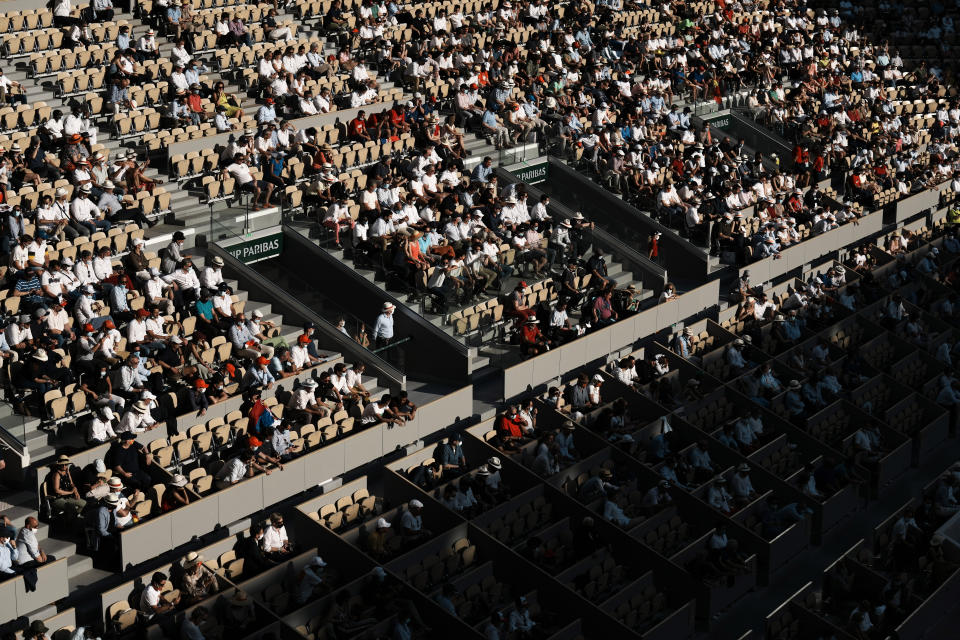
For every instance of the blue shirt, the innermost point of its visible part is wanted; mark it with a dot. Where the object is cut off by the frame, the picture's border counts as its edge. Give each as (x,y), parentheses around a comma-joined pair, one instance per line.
(8,555)
(240,335)
(28,284)
(450,454)
(205,309)
(384,326)
(173,14)
(794,403)
(489,118)
(266,113)
(104,521)
(118,299)
(254,377)
(482,173)
(446,604)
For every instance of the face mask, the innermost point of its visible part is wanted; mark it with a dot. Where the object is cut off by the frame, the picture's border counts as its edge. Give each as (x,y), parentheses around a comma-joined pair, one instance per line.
(103,374)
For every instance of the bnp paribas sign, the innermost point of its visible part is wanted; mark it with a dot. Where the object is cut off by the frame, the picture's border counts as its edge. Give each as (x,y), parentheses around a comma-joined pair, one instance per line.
(534,172)
(256,246)
(258,249)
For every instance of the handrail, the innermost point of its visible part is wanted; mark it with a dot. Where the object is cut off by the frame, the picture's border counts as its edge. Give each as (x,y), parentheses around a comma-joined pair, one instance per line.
(385,371)
(409,314)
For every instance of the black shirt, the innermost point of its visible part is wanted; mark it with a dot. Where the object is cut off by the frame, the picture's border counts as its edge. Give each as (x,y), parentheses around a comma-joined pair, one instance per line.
(170,357)
(127,458)
(598,264)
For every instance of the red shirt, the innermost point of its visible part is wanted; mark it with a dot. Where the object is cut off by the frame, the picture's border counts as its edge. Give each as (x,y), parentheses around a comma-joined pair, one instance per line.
(529,333)
(358,127)
(511,426)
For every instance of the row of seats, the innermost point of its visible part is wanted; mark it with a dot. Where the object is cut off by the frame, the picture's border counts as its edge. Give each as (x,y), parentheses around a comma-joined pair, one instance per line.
(26,19)
(783,461)
(878,396)
(516,525)
(348,510)
(908,419)
(23,43)
(714,413)
(668,538)
(641,610)
(24,116)
(475,601)
(51,62)
(832,427)
(434,569)
(914,371)
(159,141)
(604,578)
(489,314)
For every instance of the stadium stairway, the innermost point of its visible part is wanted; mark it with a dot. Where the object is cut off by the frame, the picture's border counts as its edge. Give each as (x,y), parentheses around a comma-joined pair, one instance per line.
(80,569)
(482,351)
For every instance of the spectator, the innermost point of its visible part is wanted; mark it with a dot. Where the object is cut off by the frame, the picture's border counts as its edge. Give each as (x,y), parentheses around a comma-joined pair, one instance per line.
(29,552)
(411,524)
(197,582)
(63,493)
(190,626)
(312,581)
(276,545)
(129,459)
(176,494)
(153,601)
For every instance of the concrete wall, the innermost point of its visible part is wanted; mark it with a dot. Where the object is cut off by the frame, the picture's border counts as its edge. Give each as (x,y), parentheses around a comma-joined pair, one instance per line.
(599,344)
(51,586)
(801,255)
(909,207)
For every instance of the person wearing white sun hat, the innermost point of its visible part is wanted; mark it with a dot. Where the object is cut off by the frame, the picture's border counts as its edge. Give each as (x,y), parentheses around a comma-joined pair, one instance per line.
(311,581)
(411,523)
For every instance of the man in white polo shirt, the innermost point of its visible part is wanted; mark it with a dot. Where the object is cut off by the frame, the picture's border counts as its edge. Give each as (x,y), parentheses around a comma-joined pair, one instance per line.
(241,173)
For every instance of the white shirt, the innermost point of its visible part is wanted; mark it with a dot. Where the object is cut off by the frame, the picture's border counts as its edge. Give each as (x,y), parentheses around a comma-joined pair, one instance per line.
(241,172)
(84,210)
(273,538)
(371,413)
(148,599)
(212,276)
(233,472)
(100,430)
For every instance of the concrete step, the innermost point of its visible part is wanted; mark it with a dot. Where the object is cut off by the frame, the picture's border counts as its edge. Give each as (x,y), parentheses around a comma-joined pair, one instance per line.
(42,613)
(61,549)
(478,362)
(87,578)
(78,564)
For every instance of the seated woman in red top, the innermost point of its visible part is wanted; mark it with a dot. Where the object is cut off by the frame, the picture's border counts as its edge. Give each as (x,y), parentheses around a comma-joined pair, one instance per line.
(532,342)
(175,495)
